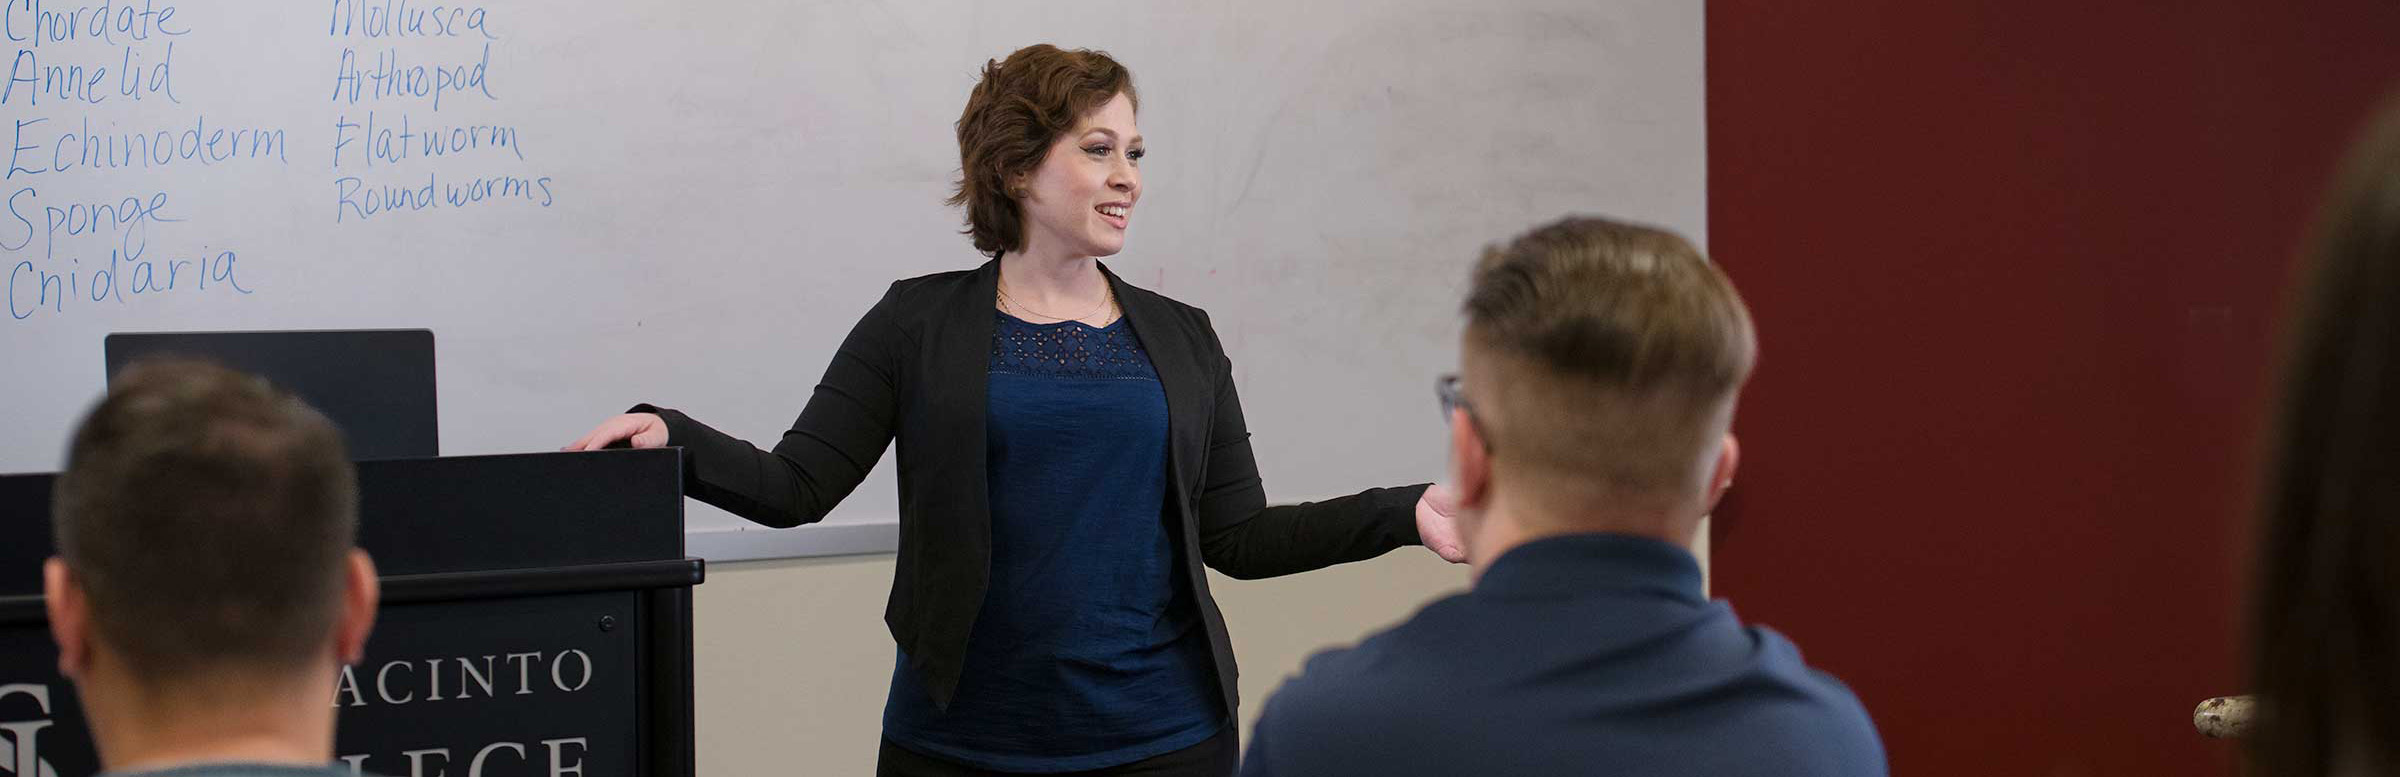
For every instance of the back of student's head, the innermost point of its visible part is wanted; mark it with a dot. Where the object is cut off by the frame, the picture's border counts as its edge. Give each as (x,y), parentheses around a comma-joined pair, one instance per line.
(1604,357)
(208,518)
(2326,617)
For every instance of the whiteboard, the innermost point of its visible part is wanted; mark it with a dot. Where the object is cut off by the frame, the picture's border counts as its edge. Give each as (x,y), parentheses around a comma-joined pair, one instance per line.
(690,203)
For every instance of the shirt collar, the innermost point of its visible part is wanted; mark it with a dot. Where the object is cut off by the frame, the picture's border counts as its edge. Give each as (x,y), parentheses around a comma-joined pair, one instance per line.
(1583,564)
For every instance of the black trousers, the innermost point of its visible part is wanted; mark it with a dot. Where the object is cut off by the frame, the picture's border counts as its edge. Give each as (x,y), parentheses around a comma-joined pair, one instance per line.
(1217,757)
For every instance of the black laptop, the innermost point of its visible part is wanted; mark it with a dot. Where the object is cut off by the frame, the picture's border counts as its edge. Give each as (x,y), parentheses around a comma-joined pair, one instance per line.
(376,384)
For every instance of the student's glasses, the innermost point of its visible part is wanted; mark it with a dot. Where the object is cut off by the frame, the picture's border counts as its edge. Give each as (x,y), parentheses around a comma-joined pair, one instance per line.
(1455,400)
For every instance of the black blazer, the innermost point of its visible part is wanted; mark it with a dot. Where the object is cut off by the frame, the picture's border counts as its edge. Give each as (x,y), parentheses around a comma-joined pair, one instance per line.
(915,368)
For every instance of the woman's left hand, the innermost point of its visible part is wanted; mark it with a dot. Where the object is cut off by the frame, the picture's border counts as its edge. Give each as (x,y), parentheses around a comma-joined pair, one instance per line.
(1437,524)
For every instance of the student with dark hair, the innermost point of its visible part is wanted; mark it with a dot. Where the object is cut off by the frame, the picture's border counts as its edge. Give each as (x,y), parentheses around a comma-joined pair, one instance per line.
(2326,612)
(1589,434)
(207,588)
(1071,452)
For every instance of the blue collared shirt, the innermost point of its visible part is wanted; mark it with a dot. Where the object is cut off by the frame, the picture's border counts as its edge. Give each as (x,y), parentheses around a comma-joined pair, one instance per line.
(1582,654)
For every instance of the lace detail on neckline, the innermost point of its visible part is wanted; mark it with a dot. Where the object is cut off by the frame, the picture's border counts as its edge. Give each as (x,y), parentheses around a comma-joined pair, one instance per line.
(1068,349)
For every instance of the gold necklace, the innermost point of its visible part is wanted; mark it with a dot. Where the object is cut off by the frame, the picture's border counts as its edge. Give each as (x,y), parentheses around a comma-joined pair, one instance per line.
(1008,303)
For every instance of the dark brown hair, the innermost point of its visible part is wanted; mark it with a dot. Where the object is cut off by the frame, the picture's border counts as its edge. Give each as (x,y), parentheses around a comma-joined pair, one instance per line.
(1020,107)
(208,517)
(1622,349)
(2325,616)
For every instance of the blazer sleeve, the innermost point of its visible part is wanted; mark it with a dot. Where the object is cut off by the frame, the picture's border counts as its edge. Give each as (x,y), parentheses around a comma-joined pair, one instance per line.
(838,437)
(1241,536)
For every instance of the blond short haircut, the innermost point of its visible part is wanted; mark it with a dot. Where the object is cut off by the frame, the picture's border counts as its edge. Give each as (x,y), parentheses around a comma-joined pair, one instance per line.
(1607,354)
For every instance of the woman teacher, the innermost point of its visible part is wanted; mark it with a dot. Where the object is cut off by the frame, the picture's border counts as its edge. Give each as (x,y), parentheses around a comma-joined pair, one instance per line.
(1072,452)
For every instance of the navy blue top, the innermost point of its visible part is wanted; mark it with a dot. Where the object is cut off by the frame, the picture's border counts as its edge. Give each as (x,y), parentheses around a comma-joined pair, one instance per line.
(1583,654)
(1088,652)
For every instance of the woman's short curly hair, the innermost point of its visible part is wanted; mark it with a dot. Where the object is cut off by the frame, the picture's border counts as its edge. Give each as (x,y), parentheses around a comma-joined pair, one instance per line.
(1020,106)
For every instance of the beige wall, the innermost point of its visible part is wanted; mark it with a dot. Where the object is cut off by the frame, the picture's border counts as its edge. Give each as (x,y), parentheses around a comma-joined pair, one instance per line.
(791,659)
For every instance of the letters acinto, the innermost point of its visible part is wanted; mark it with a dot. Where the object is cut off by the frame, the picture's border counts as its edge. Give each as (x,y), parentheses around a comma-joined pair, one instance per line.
(464,677)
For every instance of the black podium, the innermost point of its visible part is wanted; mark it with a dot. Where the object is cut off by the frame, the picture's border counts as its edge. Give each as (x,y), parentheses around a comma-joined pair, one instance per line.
(536,620)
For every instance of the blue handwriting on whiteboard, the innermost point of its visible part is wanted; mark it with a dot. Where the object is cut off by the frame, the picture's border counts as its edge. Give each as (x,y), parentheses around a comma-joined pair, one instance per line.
(386,144)
(32,288)
(79,83)
(394,19)
(84,148)
(355,198)
(390,78)
(130,218)
(39,22)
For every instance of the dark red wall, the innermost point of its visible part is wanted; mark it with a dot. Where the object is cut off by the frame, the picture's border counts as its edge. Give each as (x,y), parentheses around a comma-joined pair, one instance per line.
(2017,269)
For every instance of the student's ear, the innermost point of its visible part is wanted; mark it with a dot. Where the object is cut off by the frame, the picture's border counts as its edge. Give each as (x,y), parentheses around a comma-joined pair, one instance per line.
(1721,479)
(70,618)
(1470,464)
(361,592)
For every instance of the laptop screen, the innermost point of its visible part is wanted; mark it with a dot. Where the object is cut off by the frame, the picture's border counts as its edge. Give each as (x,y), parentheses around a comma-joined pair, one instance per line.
(376,384)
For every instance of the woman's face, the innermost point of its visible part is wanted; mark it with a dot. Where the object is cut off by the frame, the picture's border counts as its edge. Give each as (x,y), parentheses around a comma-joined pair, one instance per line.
(1078,202)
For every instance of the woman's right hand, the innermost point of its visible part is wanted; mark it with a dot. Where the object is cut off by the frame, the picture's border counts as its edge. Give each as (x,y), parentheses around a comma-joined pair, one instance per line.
(639,430)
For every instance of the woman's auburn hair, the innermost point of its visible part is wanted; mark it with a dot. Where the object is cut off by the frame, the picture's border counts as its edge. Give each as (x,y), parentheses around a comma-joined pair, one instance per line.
(1019,107)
